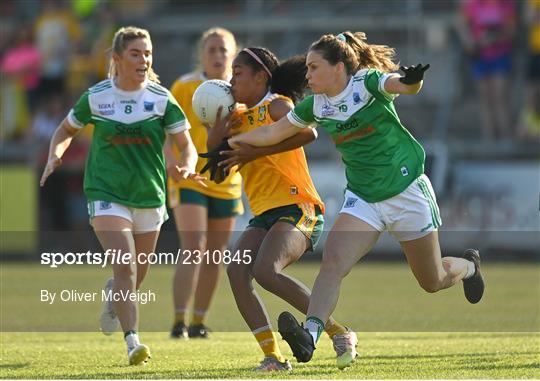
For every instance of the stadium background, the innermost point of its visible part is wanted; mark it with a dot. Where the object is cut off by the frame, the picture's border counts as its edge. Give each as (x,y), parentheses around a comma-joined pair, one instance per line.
(488,190)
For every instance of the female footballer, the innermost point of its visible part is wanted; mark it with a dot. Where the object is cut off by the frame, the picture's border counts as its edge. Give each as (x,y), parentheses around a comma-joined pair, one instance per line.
(288,211)
(204,215)
(125,170)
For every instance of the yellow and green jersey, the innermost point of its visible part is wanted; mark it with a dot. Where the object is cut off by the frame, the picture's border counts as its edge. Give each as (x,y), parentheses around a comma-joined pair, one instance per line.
(381,157)
(125,163)
(280,179)
(182,90)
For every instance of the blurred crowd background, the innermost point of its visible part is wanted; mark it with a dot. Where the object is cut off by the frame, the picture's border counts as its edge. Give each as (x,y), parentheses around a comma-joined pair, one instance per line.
(478,114)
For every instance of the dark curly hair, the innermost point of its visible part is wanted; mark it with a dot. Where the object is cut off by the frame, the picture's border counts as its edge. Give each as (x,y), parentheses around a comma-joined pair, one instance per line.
(288,77)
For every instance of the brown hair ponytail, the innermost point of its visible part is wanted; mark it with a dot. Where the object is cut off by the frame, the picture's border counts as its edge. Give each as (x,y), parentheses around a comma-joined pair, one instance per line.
(353,50)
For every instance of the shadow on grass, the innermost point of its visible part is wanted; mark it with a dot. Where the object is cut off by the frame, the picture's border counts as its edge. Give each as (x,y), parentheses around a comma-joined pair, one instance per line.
(445,356)
(18,365)
(459,335)
(503,366)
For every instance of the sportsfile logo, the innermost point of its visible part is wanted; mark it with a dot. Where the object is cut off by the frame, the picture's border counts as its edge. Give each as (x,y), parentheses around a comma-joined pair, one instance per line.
(120,257)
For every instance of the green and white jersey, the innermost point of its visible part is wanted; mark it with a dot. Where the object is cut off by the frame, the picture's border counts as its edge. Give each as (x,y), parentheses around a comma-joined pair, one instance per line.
(125,163)
(381,157)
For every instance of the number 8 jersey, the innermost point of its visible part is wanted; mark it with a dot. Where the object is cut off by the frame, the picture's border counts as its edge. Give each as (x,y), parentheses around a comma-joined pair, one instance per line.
(125,163)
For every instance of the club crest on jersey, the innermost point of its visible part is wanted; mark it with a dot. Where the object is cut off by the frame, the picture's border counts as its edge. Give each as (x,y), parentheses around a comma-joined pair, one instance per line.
(262,114)
(308,221)
(148,106)
(356,98)
(294,190)
(327,111)
(104,205)
(350,202)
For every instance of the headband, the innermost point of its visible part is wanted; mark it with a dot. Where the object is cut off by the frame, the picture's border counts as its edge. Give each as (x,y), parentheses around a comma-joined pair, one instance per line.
(341,37)
(256,58)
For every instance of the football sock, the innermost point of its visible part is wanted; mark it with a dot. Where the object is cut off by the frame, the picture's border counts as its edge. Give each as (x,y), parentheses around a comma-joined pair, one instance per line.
(471,270)
(333,328)
(315,327)
(180,316)
(198,317)
(268,342)
(132,339)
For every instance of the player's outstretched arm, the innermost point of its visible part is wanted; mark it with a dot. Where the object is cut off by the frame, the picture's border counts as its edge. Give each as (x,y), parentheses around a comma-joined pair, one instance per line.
(60,141)
(266,135)
(410,83)
(188,158)
(244,153)
(279,108)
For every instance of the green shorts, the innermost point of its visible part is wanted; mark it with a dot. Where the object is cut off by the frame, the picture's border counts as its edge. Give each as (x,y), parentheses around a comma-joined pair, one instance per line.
(309,221)
(217,207)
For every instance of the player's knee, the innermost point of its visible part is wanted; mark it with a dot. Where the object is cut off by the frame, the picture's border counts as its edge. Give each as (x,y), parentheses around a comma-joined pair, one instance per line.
(195,241)
(125,272)
(199,246)
(334,265)
(265,277)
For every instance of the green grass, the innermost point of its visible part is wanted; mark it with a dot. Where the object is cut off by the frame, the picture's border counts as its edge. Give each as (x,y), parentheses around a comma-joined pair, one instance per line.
(403,331)
(232,355)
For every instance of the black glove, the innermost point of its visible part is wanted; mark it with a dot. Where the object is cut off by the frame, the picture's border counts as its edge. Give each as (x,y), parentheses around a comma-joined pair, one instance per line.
(217,173)
(413,74)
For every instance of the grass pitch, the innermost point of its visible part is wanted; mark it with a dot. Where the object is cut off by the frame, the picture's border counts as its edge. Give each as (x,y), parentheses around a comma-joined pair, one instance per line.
(403,331)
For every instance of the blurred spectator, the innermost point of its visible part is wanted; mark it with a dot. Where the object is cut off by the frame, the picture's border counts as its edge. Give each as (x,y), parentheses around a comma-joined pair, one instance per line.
(101,35)
(63,204)
(47,118)
(137,11)
(486,30)
(57,33)
(23,62)
(530,115)
(20,68)
(53,198)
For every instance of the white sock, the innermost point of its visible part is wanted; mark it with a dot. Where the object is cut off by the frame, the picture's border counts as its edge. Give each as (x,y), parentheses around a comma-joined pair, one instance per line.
(132,340)
(314,328)
(471,270)
(314,334)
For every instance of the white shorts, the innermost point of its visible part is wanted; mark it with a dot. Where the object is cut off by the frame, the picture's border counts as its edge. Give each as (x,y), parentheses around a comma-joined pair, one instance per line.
(143,219)
(410,215)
